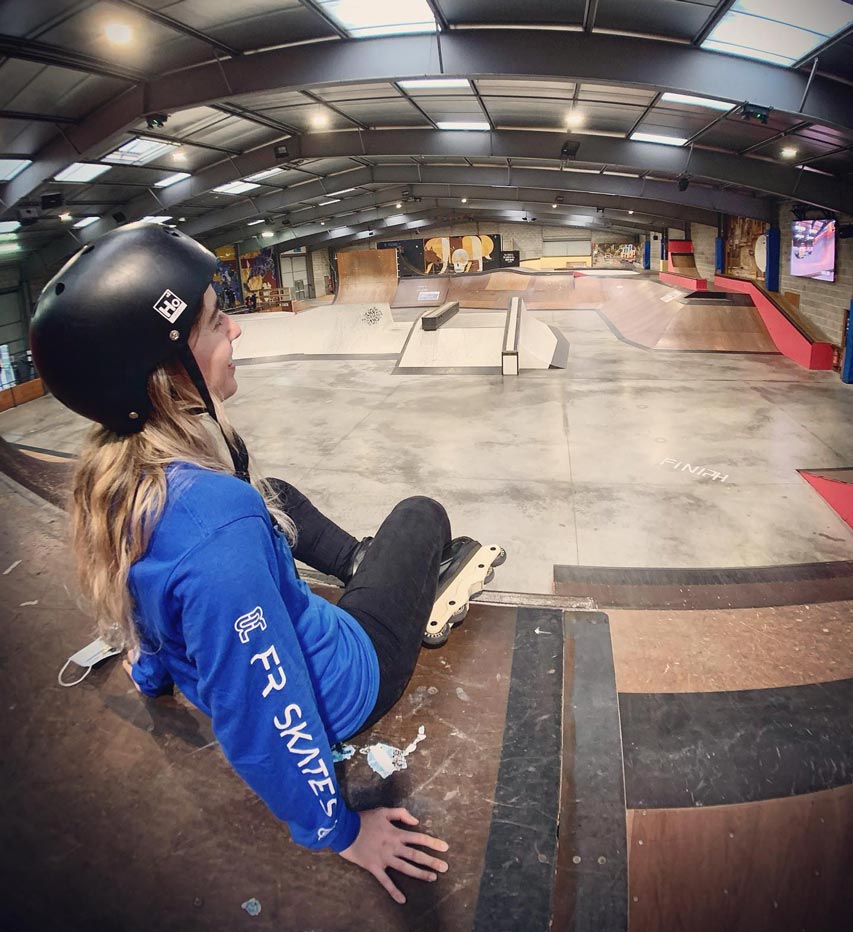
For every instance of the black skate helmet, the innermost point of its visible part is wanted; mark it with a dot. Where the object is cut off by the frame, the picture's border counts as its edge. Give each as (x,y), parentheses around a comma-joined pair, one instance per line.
(121,307)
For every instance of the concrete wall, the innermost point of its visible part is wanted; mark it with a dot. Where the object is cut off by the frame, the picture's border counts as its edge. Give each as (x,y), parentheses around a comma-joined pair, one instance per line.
(824,304)
(704,249)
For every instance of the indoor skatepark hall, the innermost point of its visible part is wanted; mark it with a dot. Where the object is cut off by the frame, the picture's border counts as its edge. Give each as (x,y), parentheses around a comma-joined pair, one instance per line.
(582,273)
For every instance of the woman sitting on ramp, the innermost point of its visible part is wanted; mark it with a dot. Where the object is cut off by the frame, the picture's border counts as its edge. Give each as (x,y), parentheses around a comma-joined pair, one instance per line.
(187,555)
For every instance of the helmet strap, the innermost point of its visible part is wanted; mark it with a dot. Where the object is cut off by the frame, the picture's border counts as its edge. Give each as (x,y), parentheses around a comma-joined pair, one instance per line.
(237,448)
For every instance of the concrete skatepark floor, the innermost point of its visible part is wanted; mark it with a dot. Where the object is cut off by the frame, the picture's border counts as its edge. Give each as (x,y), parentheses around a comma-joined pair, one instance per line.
(593,465)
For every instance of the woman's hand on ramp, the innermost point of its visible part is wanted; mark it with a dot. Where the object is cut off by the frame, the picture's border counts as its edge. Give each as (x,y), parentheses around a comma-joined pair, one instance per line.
(380,845)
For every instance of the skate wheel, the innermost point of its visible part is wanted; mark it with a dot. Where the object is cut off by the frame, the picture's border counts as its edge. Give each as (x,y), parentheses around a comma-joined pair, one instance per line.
(436,638)
(501,555)
(459,614)
(489,577)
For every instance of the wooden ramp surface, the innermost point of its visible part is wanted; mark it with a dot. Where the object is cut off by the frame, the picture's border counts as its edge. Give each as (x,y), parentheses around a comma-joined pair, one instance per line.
(645,771)
(366,275)
(636,311)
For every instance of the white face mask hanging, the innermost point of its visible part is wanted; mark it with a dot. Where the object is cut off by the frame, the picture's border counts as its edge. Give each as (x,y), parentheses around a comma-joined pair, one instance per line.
(87,657)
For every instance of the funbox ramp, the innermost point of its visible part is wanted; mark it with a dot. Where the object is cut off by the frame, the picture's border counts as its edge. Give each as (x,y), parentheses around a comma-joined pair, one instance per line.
(479,344)
(332,330)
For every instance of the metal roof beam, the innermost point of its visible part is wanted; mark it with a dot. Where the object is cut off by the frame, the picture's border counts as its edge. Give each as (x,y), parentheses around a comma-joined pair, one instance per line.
(45,54)
(507,54)
(766,176)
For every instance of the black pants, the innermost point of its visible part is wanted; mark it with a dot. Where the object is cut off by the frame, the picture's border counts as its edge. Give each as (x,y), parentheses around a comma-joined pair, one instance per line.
(392,592)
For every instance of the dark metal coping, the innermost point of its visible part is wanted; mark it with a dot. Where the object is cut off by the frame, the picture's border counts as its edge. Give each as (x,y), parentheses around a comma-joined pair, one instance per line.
(749,587)
(557,837)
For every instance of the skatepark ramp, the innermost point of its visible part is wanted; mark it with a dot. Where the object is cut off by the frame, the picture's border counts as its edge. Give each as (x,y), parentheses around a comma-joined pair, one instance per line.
(681,264)
(489,290)
(477,340)
(612,757)
(366,275)
(327,330)
(788,331)
(836,488)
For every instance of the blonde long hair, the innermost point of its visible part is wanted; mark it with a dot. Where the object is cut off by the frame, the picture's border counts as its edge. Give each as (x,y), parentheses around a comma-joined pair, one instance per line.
(119,490)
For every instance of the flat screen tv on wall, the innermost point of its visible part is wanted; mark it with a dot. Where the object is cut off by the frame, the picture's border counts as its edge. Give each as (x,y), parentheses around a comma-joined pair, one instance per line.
(813,249)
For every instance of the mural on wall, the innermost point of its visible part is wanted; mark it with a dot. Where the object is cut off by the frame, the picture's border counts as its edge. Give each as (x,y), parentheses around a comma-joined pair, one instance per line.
(258,272)
(621,255)
(226,279)
(746,248)
(457,255)
(446,255)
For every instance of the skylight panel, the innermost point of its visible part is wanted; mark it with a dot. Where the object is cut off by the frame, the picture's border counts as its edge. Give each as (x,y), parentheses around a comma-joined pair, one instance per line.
(11,168)
(778,31)
(160,218)
(139,151)
(81,172)
(85,222)
(9,226)
(236,187)
(380,17)
(172,179)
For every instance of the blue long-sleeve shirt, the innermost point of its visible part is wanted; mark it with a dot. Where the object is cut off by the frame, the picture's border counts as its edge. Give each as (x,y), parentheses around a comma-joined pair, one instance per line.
(281,672)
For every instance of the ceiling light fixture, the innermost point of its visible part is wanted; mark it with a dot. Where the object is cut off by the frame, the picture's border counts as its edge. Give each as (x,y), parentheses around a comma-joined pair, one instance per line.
(654,137)
(120,33)
(789,152)
(683,183)
(464,200)
(9,226)
(692,101)
(458,125)
(267,234)
(630,211)
(428,84)
(575,119)
(162,218)
(86,221)
(253,223)
(398,205)
(65,217)
(267,173)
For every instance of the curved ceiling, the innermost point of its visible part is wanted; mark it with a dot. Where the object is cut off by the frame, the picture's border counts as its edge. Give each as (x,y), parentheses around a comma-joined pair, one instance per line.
(337,142)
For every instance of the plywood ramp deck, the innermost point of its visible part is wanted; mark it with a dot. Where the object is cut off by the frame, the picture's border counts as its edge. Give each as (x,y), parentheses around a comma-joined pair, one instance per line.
(366,275)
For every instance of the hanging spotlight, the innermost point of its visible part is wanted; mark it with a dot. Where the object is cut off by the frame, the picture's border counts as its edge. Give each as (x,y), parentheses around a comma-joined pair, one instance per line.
(683,183)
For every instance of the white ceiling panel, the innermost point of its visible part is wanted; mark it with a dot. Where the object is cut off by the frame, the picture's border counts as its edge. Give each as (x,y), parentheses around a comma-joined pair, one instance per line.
(356,91)
(610,93)
(376,113)
(555,89)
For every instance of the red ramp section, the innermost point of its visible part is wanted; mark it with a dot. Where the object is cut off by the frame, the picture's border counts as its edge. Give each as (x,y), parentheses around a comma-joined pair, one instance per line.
(682,267)
(836,486)
(790,336)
